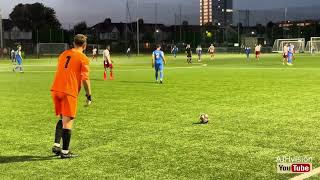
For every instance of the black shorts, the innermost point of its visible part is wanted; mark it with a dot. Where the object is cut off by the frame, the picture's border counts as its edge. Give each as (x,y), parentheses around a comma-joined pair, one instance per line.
(189,55)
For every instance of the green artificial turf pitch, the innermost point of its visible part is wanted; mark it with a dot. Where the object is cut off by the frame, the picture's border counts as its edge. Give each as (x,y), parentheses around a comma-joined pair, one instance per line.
(137,129)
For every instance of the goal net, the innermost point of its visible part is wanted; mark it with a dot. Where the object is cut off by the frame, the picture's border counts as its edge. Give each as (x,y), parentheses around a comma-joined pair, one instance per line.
(313,46)
(90,47)
(299,44)
(51,48)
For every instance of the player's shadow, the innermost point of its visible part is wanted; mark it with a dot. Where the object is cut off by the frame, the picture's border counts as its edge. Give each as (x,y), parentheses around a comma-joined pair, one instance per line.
(136,82)
(96,79)
(26,158)
(126,82)
(199,123)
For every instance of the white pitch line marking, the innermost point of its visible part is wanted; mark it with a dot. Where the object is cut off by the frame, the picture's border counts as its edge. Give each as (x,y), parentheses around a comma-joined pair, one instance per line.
(307,175)
(8,69)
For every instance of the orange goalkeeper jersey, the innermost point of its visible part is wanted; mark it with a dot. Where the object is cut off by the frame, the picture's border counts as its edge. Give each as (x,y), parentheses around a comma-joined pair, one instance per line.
(73,67)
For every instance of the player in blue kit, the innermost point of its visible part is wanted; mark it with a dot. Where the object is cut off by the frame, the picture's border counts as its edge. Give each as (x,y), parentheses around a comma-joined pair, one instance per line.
(174,51)
(247,50)
(290,54)
(18,58)
(158,62)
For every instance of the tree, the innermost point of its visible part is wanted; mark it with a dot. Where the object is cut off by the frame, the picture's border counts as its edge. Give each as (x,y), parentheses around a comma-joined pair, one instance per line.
(80,28)
(185,23)
(107,21)
(34,16)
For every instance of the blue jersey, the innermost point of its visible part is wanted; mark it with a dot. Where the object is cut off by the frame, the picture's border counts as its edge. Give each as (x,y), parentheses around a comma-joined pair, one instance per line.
(158,56)
(290,51)
(18,55)
(247,50)
(175,50)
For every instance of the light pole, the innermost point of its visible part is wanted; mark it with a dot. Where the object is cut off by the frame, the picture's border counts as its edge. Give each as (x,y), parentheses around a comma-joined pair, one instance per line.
(1,31)
(138,38)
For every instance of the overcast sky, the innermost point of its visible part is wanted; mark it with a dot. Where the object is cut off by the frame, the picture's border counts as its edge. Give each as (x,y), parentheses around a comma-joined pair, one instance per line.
(70,12)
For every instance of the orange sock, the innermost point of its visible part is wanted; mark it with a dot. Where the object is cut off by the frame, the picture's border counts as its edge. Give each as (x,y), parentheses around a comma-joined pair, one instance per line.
(111,75)
(105,75)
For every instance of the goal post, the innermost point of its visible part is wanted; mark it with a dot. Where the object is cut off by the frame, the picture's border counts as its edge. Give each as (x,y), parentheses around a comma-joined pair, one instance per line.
(90,47)
(313,46)
(51,49)
(299,44)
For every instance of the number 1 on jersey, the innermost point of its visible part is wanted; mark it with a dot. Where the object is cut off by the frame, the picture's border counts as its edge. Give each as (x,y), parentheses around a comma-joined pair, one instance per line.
(67,63)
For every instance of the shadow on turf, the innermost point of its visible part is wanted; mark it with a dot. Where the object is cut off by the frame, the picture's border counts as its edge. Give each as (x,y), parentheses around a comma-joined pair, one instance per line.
(199,123)
(127,82)
(14,159)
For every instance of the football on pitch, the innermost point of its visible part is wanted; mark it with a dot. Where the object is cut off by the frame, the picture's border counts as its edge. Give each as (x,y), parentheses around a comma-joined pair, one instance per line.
(204,118)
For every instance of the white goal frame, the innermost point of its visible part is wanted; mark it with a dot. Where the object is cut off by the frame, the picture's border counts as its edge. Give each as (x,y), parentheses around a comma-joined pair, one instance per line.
(58,51)
(313,46)
(278,44)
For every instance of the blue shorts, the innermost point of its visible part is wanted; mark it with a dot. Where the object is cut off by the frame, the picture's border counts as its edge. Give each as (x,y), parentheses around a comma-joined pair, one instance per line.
(158,67)
(19,61)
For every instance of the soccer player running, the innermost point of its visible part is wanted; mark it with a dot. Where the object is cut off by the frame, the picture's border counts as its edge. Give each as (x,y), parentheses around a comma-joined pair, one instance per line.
(189,54)
(72,72)
(107,63)
(94,54)
(158,62)
(258,51)
(18,57)
(247,50)
(174,51)
(290,54)
(13,56)
(199,52)
(211,51)
(285,54)
(129,52)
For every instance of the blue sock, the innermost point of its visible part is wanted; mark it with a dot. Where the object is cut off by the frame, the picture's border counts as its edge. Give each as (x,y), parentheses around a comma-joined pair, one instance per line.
(161,75)
(156,75)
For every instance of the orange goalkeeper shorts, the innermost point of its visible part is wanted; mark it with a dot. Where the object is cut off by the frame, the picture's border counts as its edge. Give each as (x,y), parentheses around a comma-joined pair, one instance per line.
(64,104)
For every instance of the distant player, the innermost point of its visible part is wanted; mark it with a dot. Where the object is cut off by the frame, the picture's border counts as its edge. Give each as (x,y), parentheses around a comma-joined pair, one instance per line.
(247,50)
(189,54)
(107,63)
(199,52)
(72,72)
(174,51)
(158,62)
(18,57)
(285,54)
(95,54)
(211,51)
(129,52)
(290,54)
(13,56)
(294,51)
(313,50)
(258,51)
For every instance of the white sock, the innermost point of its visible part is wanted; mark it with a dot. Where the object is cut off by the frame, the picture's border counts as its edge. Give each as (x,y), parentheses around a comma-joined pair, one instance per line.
(56,145)
(65,151)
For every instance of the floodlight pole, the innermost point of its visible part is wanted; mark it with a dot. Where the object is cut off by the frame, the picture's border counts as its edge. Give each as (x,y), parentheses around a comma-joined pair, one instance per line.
(1,31)
(285,14)
(180,21)
(239,28)
(138,33)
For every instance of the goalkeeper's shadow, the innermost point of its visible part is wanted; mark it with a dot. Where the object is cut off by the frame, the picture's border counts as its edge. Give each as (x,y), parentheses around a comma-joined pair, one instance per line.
(125,82)
(24,158)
